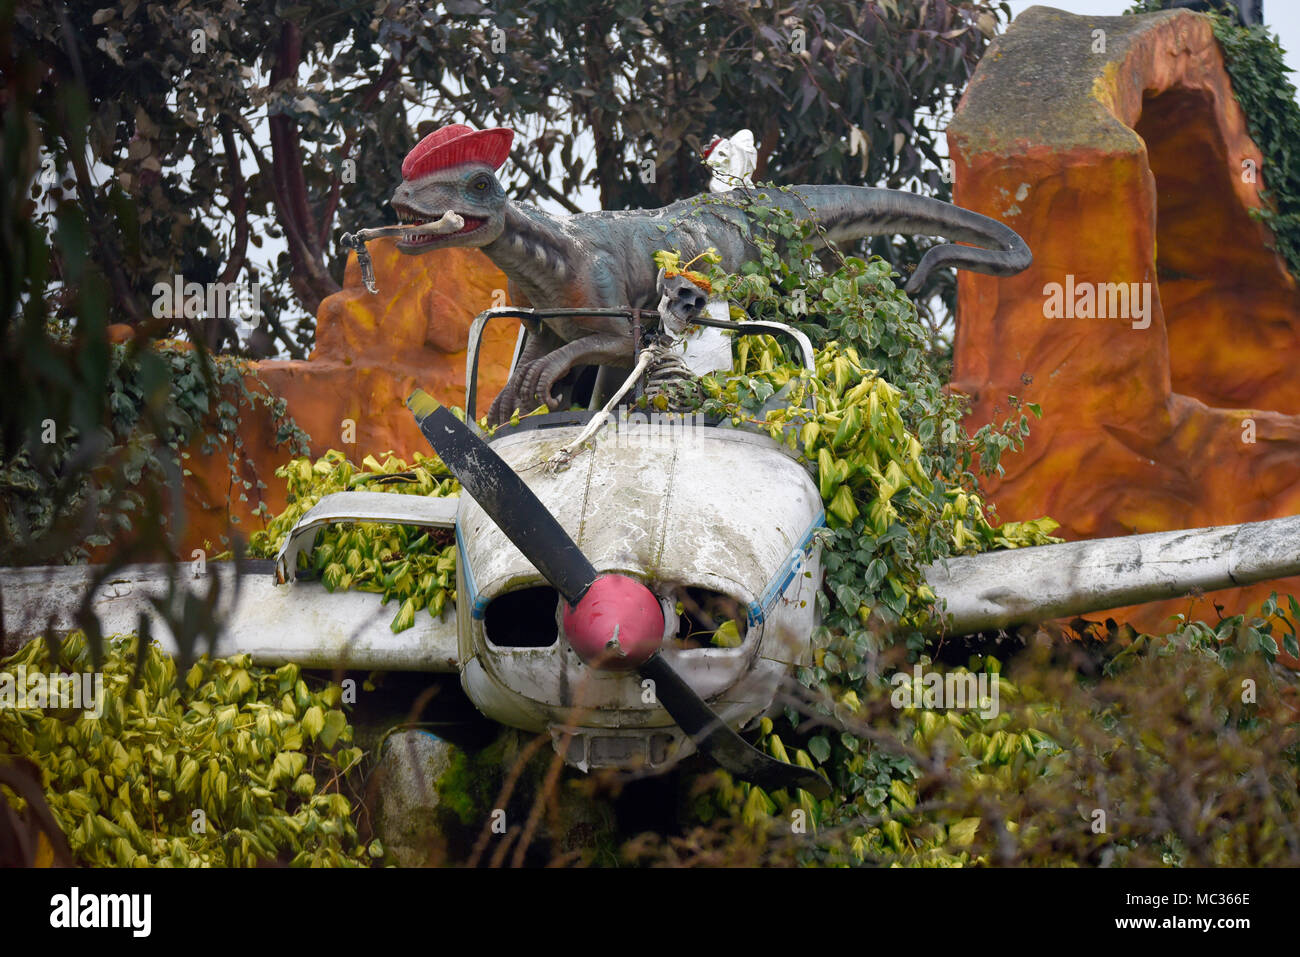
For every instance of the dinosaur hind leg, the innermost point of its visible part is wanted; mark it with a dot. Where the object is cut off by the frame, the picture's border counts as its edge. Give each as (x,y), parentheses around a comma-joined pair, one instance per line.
(541,341)
(537,380)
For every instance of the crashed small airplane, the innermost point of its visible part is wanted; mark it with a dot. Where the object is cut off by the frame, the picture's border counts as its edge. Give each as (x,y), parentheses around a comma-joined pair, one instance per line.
(568,580)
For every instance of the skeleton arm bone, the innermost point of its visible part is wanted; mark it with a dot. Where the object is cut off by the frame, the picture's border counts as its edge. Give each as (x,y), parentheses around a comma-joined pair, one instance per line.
(449,222)
(562,456)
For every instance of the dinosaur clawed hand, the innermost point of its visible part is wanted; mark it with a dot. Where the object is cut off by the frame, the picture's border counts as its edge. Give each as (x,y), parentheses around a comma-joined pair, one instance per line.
(528,388)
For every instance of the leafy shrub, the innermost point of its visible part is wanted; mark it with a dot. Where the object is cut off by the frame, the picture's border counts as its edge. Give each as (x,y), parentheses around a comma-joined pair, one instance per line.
(256,750)
(1116,749)
(415,566)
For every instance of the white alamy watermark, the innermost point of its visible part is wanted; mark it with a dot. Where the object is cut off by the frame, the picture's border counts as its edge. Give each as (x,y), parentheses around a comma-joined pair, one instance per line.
(952,691)
(83,691)
(1098,300)
(656,430)
(75,909)
(179,299)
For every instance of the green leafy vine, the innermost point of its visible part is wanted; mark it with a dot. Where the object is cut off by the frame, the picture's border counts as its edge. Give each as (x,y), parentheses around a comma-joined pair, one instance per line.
(191,393)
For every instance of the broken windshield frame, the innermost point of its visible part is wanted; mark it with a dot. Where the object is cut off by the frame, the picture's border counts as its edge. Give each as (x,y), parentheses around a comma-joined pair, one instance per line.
(750,327)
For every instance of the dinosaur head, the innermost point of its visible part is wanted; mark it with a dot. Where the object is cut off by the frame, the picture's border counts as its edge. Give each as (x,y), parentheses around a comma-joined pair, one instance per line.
(453,168)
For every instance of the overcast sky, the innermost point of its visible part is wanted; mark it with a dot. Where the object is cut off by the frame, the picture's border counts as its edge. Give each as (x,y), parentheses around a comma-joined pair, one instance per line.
(1281,16)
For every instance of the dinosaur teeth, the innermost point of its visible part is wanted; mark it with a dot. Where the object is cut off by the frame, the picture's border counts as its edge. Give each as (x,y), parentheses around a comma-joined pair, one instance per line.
(416,238)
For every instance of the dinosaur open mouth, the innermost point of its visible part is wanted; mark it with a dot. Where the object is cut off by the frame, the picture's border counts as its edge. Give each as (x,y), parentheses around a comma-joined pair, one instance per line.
(407,217)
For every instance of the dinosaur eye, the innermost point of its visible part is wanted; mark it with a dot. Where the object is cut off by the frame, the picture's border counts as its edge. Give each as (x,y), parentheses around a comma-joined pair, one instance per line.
(481,185)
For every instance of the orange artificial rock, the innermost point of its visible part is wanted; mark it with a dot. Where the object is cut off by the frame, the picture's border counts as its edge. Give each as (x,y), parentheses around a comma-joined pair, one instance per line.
(120,332)
(1131,165)
(371,352)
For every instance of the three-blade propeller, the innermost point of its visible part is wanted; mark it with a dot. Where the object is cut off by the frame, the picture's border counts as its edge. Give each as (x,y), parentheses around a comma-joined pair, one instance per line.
(612,621)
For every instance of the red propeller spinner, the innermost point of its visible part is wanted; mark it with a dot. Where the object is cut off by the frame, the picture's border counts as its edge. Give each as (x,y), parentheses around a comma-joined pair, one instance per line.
(617,625)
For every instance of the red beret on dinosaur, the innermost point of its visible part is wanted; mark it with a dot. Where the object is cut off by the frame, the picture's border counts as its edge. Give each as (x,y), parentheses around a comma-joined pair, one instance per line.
(452,145)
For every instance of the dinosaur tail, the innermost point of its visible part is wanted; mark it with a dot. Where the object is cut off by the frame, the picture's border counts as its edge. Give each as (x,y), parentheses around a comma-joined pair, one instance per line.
(855,212)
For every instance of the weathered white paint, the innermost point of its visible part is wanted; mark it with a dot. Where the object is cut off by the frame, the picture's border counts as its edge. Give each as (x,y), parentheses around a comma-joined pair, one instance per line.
(273,623)
(714,508)
(1007,588)
(707,349)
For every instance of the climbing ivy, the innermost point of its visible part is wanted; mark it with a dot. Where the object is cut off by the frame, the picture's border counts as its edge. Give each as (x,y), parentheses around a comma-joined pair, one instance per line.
(898,470)
(198,399)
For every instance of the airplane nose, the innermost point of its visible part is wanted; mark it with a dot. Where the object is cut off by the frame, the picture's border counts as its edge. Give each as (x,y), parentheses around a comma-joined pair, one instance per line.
(617,625)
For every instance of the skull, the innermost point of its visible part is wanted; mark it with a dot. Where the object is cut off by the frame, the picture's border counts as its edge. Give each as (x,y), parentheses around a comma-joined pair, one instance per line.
(679,303)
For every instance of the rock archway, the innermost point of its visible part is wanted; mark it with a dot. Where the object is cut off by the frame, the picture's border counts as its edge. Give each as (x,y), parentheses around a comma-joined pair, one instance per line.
(1115,146)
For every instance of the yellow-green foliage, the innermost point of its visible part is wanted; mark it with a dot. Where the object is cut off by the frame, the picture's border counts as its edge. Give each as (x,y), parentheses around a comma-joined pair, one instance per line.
(847,422)
(258,752)
(854,433)
(1163,760)
(851,430)
(416,567)
(978,753)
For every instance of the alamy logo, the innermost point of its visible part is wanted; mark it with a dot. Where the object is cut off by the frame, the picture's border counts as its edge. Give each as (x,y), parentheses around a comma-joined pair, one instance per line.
(83,691)
(133,911)
(650,429)
(932,690)
(1094,300)
(179,299)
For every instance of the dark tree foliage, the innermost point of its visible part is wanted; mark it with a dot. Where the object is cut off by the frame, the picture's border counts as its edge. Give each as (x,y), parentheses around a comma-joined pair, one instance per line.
(212,126)
(68,473)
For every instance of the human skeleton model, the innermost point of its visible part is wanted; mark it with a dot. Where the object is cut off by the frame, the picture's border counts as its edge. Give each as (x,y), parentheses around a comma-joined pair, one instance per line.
(661,362)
